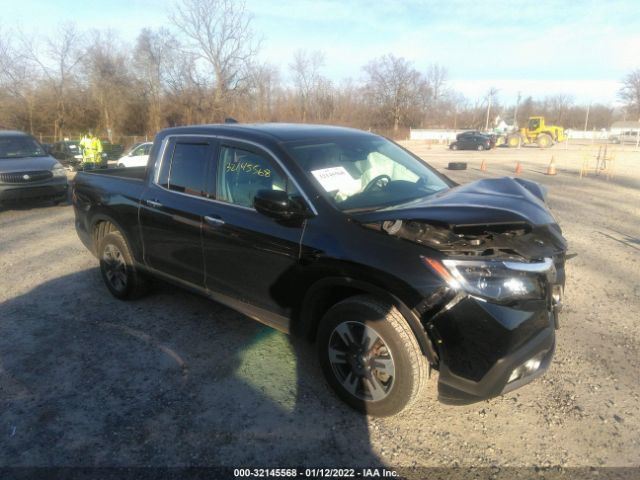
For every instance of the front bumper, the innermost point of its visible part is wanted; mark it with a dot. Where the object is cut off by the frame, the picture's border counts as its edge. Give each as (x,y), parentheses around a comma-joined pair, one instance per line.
(55,188)
(480,344)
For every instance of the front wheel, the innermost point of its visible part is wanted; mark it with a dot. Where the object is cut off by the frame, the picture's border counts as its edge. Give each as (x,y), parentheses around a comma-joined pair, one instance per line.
(370,356)
(544,140)
(118,270)
(480,147)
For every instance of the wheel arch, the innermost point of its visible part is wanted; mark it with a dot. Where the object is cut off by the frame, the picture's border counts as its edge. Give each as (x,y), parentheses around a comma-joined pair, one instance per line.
(326,292)
(101,225)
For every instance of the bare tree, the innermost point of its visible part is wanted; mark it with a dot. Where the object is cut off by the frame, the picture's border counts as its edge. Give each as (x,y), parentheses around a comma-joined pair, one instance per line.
(305,70)
(59,66)
(556,108)
(220,34)
(264,84)
(630,93)
(18,78)
(439,96)
(152,57)
(436,78)
(395,87)
(109,80)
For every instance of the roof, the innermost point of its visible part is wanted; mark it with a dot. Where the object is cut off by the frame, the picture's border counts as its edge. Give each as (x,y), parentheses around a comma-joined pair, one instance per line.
(281,132)
(12,133)
(626,124)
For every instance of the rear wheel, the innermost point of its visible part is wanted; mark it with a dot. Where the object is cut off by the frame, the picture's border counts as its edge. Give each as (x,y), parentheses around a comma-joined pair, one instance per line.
(370,356)
(118,270)
(454,146)
(544,140)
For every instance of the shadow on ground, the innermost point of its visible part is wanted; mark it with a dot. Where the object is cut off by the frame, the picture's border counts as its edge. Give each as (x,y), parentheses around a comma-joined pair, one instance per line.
(173,379)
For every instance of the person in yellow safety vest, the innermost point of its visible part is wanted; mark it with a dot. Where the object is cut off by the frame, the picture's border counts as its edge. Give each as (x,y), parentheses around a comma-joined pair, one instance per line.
(87,150)
(91,151)
(96,146)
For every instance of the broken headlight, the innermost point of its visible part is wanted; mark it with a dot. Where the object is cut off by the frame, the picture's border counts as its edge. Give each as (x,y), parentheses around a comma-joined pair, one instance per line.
(495,280)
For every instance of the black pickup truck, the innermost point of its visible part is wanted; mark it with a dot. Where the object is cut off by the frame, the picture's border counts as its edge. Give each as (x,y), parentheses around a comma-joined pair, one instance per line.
(348,240)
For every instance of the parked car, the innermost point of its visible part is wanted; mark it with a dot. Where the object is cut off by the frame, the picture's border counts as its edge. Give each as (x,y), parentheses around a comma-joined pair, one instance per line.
(472,141)
(111,151)
(630,136)
(343,238)
(68,154)
(27,171)
(137,156)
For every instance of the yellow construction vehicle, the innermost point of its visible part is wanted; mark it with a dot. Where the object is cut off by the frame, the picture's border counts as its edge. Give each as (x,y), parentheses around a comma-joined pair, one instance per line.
(536,132)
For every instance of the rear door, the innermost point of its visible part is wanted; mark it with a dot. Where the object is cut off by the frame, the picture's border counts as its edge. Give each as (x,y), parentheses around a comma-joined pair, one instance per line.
(172,209)
(249,256)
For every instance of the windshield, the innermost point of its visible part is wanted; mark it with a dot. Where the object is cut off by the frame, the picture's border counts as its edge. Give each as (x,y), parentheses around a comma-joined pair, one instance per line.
(365,172)
(20,146)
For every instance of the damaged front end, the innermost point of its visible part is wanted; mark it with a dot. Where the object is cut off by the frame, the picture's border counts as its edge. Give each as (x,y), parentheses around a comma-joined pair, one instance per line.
(500,257)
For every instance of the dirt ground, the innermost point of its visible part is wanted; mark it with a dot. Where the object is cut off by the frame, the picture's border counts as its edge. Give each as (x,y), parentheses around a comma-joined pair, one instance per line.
(174,379)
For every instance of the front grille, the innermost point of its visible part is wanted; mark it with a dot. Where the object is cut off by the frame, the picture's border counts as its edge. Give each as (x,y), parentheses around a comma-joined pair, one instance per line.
(25,177)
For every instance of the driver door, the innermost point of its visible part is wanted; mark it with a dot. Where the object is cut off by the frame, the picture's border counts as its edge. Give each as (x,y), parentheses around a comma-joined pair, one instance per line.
(247,255)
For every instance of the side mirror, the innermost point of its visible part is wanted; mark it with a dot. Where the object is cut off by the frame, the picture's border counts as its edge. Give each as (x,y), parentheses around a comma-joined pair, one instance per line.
(277,204)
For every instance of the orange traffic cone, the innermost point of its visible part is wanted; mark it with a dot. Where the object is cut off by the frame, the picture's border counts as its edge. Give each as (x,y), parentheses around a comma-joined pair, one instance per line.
(483,166)
(518,168)
(551,169)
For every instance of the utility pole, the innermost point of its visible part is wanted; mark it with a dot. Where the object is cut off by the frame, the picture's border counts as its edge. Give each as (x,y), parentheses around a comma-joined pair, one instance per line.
(490,96)
(586,120)
(515,114)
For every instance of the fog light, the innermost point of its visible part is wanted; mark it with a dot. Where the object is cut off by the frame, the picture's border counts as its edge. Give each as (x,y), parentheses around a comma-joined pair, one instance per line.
(532,365)
(527,367)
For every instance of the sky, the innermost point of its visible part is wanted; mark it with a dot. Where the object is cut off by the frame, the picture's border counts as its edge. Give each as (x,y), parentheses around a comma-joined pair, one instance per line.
(578,48)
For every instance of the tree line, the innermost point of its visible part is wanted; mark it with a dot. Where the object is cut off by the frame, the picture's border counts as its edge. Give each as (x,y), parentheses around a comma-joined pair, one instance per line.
(206,67)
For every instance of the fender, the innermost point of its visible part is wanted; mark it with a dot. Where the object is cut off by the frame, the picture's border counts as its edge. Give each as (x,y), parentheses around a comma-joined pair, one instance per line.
(103,217)
(307,322)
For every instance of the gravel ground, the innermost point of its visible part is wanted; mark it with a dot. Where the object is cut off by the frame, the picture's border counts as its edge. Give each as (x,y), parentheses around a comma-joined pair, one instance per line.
(174,379)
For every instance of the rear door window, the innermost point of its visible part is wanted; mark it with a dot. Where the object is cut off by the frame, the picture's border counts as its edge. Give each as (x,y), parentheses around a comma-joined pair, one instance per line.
(186,167)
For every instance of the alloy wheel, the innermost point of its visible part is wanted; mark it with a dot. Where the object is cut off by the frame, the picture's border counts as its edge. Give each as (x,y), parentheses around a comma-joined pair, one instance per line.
(361,361)
(115,268)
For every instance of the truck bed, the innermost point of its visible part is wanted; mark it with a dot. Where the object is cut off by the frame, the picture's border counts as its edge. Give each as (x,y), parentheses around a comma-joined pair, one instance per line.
(136,173)
(111,193)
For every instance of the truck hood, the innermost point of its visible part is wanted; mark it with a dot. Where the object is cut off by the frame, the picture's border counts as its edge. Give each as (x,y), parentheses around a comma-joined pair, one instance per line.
(488,201)
(26,164)
(500,217)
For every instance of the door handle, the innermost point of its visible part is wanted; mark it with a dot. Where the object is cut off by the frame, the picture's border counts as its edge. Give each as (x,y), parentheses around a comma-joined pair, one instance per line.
(214,220)
(153,203)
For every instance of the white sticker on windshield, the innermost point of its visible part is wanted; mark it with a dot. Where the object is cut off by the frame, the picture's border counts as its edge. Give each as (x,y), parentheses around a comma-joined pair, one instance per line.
(334,178)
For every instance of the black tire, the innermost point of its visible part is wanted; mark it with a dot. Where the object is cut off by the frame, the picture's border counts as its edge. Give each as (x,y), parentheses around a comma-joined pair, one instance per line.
(453,146)
(480,148)
(457,166)
(118,270)
(513,141)
(384,359)
(544,140)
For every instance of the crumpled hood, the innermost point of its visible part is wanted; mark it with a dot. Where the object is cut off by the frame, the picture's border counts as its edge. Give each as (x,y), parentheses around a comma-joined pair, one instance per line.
(487,201)
(26,164)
